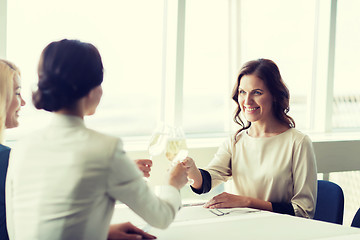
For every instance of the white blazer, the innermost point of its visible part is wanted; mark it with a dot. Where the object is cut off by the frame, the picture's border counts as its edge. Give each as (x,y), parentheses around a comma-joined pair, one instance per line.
(63,181)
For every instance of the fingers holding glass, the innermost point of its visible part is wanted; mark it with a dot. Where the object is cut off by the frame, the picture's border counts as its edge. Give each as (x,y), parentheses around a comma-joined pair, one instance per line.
(144,165)
(178,175)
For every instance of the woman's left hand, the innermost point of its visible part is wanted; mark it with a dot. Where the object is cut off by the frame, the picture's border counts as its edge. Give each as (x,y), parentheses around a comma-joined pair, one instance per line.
(144,165)
(227,200)
(127,231)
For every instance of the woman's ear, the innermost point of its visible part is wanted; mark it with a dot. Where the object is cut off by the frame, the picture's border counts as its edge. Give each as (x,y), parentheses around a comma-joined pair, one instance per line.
(92,100)
(90,94)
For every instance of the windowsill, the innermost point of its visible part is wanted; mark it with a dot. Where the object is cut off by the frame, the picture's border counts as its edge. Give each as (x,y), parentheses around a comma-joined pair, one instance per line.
(335,136)
(210,140)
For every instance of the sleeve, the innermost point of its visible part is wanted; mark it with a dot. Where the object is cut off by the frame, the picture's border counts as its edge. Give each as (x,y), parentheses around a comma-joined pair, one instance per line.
(126,184)
(305,179)
(220,166)
(206,185)
(9,199)
(4,159)
(284,208)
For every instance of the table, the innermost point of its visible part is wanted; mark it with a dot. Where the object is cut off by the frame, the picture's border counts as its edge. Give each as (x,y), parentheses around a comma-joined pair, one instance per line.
(196,222)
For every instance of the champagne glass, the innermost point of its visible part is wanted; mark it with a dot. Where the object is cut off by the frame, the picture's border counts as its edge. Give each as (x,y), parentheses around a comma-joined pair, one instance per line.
(158,140)
(176,148)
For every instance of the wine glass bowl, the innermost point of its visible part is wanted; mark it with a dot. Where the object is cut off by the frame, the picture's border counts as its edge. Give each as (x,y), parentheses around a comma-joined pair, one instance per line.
(172,141)
(158,140)
(175,142)
(176,148)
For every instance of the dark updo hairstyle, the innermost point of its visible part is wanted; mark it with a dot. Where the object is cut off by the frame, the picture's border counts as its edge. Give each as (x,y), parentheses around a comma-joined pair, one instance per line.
(267,71)
(68,70)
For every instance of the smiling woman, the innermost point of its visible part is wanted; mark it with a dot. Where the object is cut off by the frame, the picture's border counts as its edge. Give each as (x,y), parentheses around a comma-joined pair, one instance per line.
(262,97)
(10,104)
(272,165)
(15,104)
(255,99)
(10,95)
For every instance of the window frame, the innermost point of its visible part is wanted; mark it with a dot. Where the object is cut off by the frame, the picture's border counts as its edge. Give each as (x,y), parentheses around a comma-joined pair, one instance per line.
(319,119)
(3,27)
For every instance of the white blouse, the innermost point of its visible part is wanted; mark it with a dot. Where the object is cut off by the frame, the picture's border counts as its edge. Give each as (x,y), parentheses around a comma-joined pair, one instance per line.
(281,168)
(63,181)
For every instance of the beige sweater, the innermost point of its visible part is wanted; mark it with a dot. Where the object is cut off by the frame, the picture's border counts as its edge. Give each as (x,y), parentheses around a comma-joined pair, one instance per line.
(281,168)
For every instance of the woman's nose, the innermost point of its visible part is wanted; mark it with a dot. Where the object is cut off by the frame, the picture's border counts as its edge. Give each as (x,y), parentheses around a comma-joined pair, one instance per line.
(247,99)
(23,102)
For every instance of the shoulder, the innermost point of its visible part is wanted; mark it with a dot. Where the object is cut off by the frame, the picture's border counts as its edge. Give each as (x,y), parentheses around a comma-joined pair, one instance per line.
(296,135)
(107,143)
(229,140)
(299,140)
(102,136)
(232,138)
(4,154)
(4,149)
(74,138)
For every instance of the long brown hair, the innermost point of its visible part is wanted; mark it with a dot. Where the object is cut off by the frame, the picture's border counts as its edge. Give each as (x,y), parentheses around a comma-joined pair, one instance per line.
(267,71)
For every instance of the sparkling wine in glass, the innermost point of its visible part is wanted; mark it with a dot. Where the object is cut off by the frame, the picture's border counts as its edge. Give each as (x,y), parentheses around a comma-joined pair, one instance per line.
(158,140)
(176,148)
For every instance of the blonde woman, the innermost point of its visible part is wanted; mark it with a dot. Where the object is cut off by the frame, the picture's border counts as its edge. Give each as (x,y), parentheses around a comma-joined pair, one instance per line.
(10,104)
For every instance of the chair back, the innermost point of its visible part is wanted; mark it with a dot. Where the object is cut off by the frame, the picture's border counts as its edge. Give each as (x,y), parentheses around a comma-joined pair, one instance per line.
(330,202)
(356,220)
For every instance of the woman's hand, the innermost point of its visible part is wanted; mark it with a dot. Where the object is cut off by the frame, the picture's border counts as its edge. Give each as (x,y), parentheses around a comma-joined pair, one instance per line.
(178,176)
(193,172)
(227,200)
(189,164)
(126,231)
(144,165)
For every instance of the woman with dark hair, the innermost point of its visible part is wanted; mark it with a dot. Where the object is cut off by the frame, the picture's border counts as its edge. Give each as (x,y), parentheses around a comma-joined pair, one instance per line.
(63,180)
(271,163)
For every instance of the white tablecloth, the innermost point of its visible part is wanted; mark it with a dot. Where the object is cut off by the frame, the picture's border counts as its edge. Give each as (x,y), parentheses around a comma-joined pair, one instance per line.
(196,222)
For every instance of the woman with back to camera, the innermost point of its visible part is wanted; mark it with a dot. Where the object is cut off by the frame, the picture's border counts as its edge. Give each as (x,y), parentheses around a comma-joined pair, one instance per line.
(271,163)
(10,104)
(63,180)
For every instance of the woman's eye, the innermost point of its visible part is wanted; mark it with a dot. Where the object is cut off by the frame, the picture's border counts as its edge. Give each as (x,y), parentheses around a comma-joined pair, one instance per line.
(241,92)
(258,93)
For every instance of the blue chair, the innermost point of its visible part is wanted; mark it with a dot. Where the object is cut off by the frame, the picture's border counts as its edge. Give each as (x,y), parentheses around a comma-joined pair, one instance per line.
(356,220)
(330,202)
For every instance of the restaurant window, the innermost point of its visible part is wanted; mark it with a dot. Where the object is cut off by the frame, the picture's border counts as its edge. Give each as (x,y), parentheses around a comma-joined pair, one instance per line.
(128,35)
(131,41)
(346,101)
(282,31)
(206,67)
